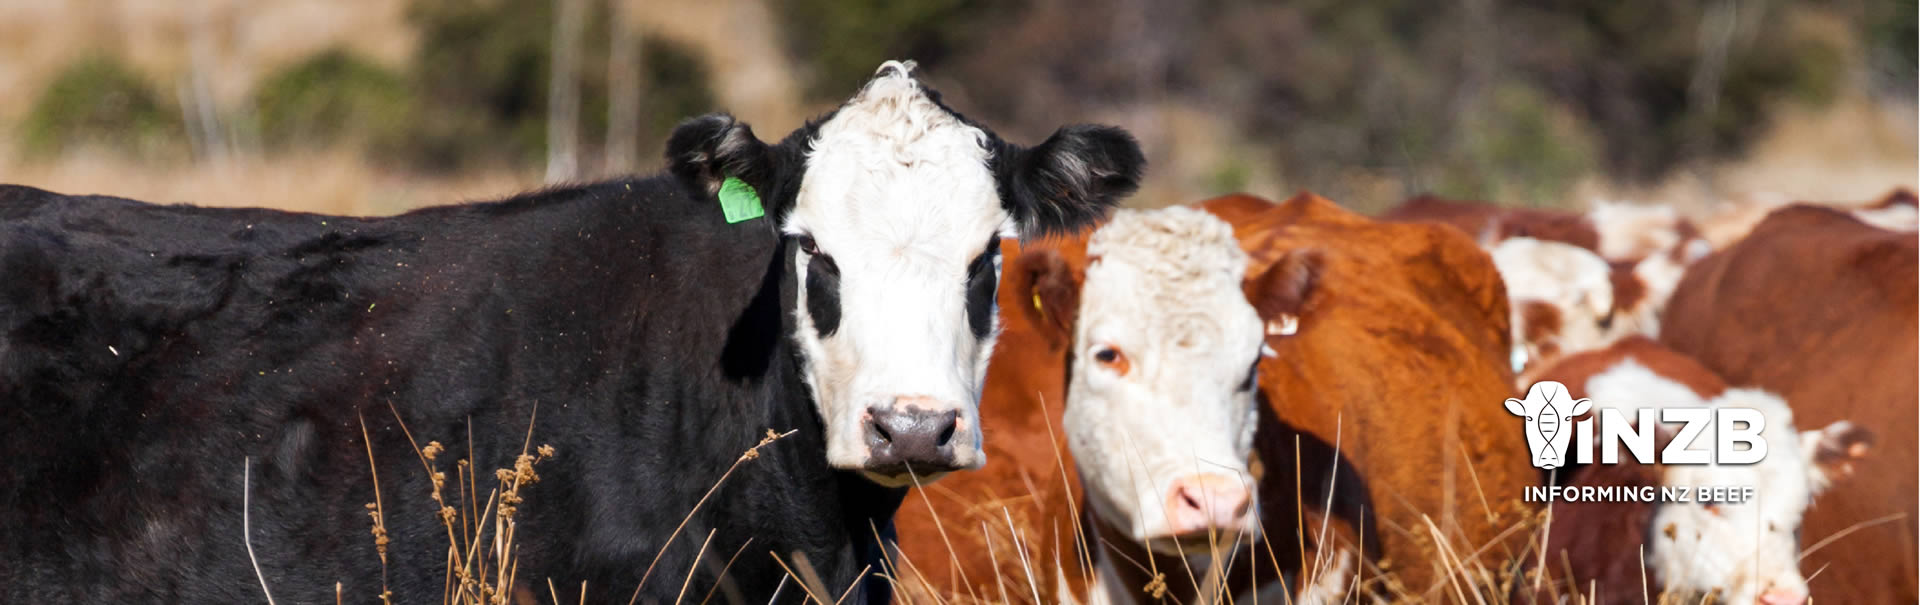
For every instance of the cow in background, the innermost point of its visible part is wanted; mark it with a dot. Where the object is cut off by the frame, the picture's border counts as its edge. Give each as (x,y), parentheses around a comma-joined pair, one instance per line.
(1373,323)
(1641,551)
(1820,307)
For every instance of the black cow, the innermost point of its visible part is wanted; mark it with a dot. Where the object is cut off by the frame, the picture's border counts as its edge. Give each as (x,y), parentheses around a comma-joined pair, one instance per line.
(148,352)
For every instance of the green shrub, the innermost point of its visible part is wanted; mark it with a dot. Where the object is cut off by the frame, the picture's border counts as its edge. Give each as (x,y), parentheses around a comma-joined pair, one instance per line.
(482,69)
(333,98)
(98,101)
(844,40)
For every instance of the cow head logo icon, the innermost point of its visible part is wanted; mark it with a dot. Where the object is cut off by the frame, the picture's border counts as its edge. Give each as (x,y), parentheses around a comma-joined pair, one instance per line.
(1549,411)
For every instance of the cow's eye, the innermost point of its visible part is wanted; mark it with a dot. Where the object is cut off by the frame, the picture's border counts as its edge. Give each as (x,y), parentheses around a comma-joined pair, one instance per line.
(1112,359)
(807,245)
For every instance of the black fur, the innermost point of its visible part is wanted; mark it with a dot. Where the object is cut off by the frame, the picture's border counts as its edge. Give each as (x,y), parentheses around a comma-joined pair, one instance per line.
(981,286)
(823,294)
(147,352)
(1070,180)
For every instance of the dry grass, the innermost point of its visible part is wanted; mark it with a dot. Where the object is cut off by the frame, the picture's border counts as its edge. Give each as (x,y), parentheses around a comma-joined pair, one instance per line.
(482,562)
(329,182)
(1474,574)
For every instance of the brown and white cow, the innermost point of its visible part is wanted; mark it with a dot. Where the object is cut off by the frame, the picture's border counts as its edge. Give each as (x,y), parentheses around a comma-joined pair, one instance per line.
(1394,367)
(1821,308)
(1640,551)
(1372,322)
(1158,344)
(1577,281)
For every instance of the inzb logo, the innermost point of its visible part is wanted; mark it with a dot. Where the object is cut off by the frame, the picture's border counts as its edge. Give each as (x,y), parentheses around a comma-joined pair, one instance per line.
(1549,411)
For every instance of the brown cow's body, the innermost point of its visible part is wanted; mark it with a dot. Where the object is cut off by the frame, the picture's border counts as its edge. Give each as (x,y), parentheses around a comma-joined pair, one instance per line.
(1401,358)
(1820,308)
(1492,223)
(1575,370)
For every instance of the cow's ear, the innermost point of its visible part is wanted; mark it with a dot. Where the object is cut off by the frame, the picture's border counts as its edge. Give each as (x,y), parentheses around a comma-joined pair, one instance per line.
(1049,293)
(1834,450)
(1514,407)
(704,151)
(1281,293)
(1069,181)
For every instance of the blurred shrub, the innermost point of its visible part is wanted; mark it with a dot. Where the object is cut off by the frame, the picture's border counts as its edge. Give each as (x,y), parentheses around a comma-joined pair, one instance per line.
(842,41)
(1407,88)
(675,86)
(482,73)
(98,101)
(1522,148)
(482,68)
(334,98)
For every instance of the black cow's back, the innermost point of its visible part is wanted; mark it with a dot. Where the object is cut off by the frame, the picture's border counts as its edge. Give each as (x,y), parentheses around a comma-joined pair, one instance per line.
(149,350)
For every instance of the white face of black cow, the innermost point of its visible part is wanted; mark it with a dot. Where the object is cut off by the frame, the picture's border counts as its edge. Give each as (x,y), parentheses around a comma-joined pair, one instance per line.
(893,208)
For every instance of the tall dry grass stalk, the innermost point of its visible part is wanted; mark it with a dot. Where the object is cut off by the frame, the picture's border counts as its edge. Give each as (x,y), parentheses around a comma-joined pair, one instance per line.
(480,567)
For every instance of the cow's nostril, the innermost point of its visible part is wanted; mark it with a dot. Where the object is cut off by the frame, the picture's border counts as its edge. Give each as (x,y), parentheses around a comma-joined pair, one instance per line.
(1192,500)
(880,430)
(946,433)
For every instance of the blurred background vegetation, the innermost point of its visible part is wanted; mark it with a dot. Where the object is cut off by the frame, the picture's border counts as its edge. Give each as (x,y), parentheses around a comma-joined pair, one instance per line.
(376,106)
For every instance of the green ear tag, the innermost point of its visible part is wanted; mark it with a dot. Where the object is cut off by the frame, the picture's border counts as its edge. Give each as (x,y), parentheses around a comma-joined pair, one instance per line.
(739,202)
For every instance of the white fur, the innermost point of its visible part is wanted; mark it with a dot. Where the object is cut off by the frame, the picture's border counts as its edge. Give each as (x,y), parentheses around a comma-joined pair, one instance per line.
(1897,217)
(1660,274)
(899,193)
(1165,292)
(1629,386)
(1740,549)
(1568,277)
(1630,231)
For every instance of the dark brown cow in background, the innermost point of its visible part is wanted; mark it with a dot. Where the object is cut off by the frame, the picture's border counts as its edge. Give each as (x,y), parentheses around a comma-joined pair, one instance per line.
(1821,308)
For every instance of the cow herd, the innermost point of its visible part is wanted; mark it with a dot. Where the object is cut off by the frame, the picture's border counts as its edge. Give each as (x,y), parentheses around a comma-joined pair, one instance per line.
(893,356)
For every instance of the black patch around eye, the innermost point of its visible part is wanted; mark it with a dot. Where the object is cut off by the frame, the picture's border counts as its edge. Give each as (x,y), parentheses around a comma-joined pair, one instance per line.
(1253,371)
(981,284)
(823,294)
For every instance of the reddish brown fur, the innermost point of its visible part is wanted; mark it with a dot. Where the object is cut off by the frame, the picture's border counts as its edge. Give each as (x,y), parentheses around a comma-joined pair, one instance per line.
(1480,219)
(1898,197)
(1026,451)
(1540,326)
(1596,544)
(1402,321)
(1628,290)
(1442,358)
(1821,309)
(1575,370)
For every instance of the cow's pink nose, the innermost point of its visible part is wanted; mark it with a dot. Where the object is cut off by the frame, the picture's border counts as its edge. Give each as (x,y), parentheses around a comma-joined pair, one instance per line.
(1783,596)
(1204,502)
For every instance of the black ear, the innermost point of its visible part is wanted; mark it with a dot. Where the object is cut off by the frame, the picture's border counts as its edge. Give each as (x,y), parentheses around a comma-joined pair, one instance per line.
(704,151)
(1069,181)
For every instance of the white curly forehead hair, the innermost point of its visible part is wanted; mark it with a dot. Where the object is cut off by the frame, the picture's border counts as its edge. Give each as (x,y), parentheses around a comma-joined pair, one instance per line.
(1185,254)
(1160,408)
